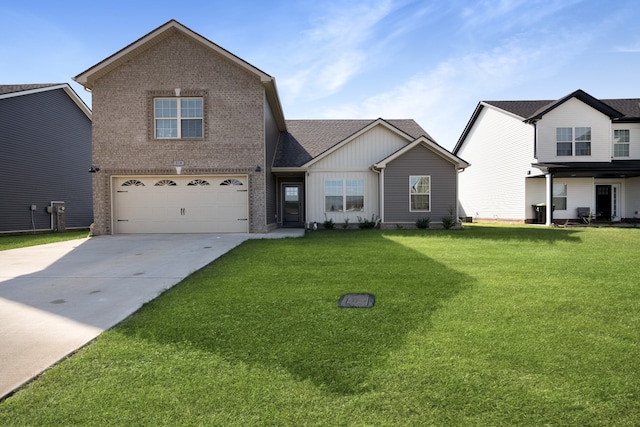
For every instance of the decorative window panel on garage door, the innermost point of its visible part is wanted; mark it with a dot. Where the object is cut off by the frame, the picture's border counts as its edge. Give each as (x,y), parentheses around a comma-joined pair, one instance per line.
(203,204)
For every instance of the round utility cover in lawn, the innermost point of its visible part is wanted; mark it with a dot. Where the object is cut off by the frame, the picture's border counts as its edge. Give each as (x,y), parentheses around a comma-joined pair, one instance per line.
(356,301)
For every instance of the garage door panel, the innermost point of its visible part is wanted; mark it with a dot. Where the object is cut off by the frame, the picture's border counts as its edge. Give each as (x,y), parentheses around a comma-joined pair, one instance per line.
(171,205)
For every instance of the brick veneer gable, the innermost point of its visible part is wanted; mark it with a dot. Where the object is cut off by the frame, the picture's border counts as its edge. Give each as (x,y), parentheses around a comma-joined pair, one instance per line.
(233,110)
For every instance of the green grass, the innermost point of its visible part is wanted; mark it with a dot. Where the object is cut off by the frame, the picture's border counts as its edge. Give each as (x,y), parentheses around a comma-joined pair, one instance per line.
(485,326)
(24,240)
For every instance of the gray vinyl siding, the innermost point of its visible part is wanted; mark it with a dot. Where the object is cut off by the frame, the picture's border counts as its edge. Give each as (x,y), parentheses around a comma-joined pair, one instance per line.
(419,161)
(45,155)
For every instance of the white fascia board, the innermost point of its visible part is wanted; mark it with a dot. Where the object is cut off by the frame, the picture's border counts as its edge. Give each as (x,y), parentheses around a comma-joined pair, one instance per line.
(64,86)
(356,135)
(429,144)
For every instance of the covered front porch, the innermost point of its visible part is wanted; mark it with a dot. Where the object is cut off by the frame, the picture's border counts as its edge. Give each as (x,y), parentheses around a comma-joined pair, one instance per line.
(591,191)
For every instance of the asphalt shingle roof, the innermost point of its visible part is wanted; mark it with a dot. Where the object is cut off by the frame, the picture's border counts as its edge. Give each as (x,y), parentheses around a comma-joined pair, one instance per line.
(525,109)
(307,139)
(5,89)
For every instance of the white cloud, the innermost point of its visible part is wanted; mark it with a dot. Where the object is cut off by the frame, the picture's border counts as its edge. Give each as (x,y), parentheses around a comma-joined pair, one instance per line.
(334,49)
(443,99)
(510,14)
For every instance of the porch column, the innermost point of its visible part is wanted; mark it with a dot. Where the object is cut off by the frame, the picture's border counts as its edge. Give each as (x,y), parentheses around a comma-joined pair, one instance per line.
(549,199)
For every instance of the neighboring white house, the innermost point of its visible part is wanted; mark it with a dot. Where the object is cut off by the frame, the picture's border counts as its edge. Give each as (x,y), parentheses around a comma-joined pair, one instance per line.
(579,153)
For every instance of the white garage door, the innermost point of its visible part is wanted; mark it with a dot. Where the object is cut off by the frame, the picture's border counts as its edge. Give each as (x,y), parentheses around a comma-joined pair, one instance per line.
(181,204)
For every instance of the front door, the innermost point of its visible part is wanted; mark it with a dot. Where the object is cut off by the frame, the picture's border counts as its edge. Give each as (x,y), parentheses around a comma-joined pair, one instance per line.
(292,205)
(607,202)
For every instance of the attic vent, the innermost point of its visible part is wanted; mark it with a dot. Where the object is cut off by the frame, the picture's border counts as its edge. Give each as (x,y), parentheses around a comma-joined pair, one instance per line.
(199,182)
(231,182)
(133,183)
(167,182)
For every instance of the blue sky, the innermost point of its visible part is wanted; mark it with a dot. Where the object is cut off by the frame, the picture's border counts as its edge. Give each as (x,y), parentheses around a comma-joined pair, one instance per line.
(430,60)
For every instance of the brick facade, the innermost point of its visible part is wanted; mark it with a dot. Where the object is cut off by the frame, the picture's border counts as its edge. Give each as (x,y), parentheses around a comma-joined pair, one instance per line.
(234,122)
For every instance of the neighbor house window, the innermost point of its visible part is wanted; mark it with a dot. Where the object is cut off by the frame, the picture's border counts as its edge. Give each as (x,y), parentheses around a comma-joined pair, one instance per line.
(564,141)
(570,141)
(621,143)
(343,195)
(178,118)
(583,141)
(420,193)
(560,196)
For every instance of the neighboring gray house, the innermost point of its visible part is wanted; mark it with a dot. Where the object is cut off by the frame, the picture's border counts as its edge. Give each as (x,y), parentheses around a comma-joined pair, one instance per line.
(45,156)
(579,153)
(190,138)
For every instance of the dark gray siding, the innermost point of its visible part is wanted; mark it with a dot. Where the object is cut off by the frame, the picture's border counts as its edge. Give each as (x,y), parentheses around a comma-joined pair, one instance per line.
(271,142)
(419,161)
(45,155)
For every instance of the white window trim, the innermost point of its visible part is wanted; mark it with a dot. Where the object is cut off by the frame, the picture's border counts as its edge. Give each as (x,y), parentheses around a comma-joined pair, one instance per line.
(178,117)
(574,142)
(411,194)
(565,197)
(618,143)
(344,195)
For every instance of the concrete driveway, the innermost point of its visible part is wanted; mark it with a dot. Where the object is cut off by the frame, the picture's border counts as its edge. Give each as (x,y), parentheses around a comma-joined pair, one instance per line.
(56,298)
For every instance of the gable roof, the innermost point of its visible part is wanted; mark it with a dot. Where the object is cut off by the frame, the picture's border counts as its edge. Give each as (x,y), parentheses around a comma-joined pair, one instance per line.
(89,76)
(308,141)
(431,145)
(11,91)
(582,96)
(529,111)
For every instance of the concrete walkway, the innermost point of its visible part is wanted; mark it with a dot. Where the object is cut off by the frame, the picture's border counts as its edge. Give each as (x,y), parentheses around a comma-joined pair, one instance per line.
(56,298)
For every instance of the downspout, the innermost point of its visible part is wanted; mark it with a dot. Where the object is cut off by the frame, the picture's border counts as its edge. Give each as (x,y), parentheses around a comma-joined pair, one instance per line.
(458,172)
(549,198)
(307,225)
(380,172)
(535,140)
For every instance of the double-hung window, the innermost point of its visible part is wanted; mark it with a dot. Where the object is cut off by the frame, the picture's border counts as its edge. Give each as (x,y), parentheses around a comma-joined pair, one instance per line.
(564,141)
(343,195)
(560,196)
(573,141)
(621,143)
(420,193)
(583,141)
(178,118)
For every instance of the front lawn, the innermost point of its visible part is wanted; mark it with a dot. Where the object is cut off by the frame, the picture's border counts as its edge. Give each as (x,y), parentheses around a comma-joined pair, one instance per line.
(14,241)
(487,326)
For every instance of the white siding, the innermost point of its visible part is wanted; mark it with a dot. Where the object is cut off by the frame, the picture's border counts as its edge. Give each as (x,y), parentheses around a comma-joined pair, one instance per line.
(634,140)
(535,193)
(580,193)
(352,161)
(574,113)
(500,150)
(363,151)
(631,199)
(315,197)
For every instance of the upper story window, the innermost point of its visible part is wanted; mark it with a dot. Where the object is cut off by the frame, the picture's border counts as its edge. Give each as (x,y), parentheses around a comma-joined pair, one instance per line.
(621,143)
(573,141)
(178,118)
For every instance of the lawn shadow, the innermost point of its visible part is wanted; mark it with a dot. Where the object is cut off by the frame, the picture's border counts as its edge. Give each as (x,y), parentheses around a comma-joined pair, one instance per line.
(275,304)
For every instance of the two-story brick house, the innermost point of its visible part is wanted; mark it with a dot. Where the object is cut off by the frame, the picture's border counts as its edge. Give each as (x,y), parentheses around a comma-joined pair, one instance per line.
(188,137)
(579,153)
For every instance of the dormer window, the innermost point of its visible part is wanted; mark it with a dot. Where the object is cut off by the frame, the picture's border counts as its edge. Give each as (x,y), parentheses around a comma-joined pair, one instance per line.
(573,141)
(178,118)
